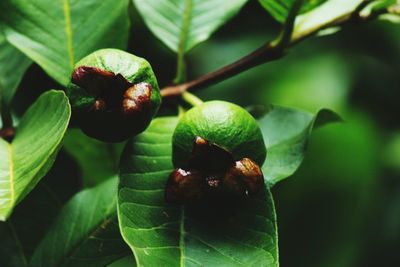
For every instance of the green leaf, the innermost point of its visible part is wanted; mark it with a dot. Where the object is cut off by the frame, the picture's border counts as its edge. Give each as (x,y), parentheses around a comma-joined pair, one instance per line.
(32,152)
(13,65)
(286,132)
(279,9)
(390,18)
(182,24)
(243,234)
(128,261)
(85,233)
(323,15)
(381,4)
(391,6)
(56,34)
(98,161)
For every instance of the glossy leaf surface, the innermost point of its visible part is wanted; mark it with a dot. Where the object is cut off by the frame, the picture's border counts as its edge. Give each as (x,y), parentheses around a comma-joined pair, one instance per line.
(182,24)
(56,34)
(243,234)
(286,132)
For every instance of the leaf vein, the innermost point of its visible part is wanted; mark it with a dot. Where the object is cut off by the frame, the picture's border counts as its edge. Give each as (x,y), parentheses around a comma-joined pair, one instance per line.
(68,32)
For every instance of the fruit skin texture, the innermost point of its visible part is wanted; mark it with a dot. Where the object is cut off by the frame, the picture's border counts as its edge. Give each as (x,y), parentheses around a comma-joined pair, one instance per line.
(222,123)
(126,70)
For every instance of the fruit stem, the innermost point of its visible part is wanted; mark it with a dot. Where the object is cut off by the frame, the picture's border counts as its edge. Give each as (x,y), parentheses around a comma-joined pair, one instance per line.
(191,99)
(6,118)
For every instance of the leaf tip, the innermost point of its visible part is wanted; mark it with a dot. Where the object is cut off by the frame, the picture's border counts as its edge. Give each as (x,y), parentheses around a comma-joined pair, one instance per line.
(325,116)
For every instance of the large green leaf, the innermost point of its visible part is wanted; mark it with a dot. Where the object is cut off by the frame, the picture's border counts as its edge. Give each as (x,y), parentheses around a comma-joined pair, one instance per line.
(166,235)
(279,9)
(56,34)
(13,65)
(98,161)
(182,24)
(286,132)
(323,15)
(315,13)
(85,232)
(32,152)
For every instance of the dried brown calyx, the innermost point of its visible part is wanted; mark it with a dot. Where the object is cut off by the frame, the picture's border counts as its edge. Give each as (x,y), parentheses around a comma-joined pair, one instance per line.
(8,133)
(213,173)
(136,98)
(184,185)
(112,91)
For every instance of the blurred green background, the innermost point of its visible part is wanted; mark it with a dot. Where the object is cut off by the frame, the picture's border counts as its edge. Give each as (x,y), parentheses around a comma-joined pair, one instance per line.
(342,207)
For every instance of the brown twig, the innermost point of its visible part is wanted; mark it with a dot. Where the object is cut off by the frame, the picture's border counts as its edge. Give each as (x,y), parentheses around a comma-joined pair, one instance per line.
(266,53)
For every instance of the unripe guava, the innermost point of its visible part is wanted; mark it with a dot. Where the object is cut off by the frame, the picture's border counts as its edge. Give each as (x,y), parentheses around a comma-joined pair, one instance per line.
(218,149)
(224,124)
(113,95)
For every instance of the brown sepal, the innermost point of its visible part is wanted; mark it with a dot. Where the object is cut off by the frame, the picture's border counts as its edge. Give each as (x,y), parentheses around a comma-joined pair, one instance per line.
(208,157)
(8,133)
(183,187)
(137,98)
(244,178)
(112,91)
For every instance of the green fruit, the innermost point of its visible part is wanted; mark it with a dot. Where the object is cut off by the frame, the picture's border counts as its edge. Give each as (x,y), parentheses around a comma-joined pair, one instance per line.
(222,124)
(217,151)
(113,94)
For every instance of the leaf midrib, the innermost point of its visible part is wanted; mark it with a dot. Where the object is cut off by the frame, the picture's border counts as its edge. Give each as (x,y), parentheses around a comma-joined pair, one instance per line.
(68,32)
(12,178)
(182,237)
(186,19)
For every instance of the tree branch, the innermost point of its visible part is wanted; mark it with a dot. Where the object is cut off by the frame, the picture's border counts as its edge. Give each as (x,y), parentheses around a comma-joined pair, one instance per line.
(269,52)
(264,54)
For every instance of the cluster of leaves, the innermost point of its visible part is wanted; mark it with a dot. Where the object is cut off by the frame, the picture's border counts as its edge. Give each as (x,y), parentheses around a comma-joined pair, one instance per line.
(94,226)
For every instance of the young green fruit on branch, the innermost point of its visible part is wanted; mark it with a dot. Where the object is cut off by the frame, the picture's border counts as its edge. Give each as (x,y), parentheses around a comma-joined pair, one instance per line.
(218,149)
(113,94)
